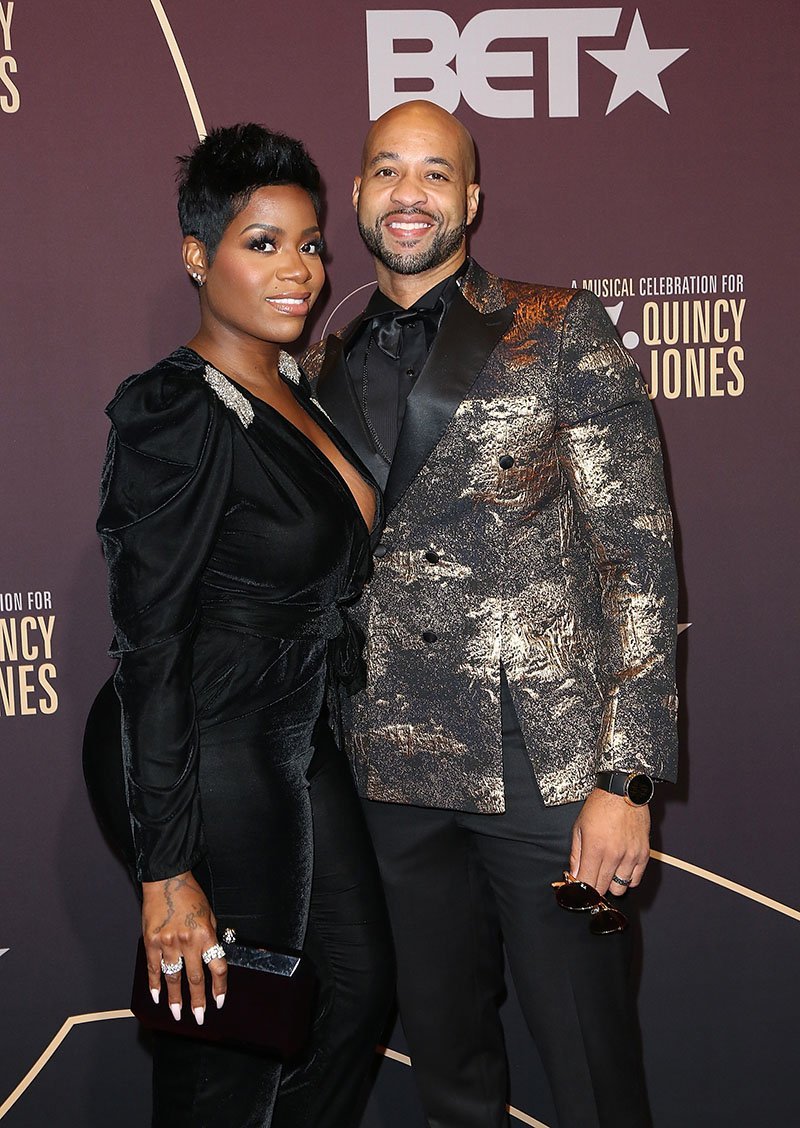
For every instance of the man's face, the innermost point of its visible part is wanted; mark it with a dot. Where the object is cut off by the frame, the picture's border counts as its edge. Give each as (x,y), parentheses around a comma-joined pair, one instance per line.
(412,200)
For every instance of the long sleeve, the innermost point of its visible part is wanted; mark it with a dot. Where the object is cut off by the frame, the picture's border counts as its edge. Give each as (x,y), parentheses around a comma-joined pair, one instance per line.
(164,489)
(610,451)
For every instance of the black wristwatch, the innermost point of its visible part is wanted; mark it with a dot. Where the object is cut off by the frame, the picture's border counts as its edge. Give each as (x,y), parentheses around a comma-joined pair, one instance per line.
(637,788)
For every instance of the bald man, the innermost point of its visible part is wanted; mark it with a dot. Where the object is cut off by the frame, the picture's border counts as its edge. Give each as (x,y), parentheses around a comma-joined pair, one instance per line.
(521,623)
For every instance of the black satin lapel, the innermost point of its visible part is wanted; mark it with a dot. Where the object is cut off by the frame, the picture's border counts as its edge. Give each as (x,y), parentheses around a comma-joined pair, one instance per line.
(334,390)
(459,353)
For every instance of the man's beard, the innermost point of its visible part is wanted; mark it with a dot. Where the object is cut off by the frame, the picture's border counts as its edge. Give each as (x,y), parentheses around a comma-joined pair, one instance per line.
(442,247)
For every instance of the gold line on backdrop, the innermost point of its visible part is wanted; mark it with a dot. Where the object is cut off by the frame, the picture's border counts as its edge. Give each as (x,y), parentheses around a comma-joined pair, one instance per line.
(734,886)
(38,1066)
(180,67)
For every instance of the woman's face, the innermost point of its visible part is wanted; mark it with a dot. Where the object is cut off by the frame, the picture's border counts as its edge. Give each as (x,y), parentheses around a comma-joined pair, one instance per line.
(267,272)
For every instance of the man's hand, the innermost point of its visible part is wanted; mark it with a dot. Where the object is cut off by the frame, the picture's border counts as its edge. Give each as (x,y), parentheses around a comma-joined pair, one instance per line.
(610,837)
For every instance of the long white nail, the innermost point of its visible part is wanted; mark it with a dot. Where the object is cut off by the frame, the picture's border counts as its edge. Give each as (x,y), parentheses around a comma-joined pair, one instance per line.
(220,999)
(199,1014)
(176,1011)
(156,993)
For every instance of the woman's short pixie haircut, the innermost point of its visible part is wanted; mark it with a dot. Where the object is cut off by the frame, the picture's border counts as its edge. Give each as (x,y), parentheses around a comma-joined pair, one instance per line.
(218,177)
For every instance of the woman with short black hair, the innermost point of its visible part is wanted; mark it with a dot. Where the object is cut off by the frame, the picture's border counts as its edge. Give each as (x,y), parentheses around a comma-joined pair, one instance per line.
(237,528)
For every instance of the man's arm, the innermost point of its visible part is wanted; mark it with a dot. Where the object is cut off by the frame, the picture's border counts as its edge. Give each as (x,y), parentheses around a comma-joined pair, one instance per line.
(610,452)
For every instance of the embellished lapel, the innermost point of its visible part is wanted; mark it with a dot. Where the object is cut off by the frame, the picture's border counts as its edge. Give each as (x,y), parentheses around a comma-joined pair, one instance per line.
(335,391)
(463,345)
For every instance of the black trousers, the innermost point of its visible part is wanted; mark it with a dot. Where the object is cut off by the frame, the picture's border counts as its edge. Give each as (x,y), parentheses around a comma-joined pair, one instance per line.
(289,863)
(349,943)
(458,887)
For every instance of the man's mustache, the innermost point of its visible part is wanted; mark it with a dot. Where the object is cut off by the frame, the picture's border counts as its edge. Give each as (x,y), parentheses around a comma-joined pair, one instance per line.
(410,212)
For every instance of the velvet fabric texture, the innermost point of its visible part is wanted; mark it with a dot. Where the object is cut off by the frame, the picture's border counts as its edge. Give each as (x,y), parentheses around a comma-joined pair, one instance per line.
(234,549)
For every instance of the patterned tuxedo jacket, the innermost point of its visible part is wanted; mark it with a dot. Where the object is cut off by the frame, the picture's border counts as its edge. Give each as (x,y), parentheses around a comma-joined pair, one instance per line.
(528,524)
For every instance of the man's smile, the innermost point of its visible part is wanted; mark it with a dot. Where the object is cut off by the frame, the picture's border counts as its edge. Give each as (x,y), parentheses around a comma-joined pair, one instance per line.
(407,227)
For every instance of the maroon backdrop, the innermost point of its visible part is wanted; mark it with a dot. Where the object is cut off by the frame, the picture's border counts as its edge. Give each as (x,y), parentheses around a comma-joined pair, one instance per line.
(652,157)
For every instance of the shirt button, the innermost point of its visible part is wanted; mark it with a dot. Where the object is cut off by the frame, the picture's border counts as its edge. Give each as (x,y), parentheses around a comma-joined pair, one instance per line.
(429,636)
(409,372)
(381,550)
(506,461)
(432,557)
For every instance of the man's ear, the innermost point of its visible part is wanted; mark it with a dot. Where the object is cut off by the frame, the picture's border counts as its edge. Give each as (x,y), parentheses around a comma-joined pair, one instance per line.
(195,258)
(473,200)
(356,190)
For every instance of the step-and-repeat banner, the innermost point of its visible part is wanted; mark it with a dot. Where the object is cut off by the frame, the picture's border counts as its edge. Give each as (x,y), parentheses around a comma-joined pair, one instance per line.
(644,150)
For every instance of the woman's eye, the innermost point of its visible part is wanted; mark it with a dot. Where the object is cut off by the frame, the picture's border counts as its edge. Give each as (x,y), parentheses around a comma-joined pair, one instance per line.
(313,248)
(262,243)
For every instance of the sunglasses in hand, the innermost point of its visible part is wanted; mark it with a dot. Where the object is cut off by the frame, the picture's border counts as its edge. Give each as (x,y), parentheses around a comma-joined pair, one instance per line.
(578,897)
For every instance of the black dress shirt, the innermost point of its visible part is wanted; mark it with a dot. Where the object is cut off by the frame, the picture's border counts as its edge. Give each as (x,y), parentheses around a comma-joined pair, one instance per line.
(387,354)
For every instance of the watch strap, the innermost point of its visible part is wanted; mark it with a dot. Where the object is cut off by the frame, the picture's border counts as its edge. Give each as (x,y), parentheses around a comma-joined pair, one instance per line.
(612,781)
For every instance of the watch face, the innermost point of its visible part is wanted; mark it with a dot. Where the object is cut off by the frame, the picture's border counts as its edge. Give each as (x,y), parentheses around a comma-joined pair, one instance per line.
(640,789)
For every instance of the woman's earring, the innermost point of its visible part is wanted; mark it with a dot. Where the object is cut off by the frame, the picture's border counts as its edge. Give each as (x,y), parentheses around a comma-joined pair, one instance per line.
(198,278)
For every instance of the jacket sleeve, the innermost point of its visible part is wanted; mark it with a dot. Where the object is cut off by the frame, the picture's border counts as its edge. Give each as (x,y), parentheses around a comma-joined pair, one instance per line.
(163,492)
(609,450)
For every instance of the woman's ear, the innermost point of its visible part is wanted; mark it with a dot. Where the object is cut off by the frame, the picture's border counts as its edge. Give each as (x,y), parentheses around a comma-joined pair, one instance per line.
(195,259)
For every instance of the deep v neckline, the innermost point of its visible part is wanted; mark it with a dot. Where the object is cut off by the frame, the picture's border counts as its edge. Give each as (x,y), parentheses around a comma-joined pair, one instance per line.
(334,438)
(294,388)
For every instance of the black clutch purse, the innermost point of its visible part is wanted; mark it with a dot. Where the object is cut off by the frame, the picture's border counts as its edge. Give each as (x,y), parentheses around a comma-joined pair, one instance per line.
(268,1005)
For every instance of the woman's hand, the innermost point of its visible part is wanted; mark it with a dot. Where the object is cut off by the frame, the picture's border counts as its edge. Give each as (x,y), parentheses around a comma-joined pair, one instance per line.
(177,923)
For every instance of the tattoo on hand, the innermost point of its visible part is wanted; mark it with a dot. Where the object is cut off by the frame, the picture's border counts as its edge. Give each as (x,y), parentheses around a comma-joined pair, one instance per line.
(170,886)
(194,919)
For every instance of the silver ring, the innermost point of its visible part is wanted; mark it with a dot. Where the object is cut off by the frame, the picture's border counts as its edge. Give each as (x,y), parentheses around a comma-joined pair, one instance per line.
(621,881)
(215,952)
(172,968)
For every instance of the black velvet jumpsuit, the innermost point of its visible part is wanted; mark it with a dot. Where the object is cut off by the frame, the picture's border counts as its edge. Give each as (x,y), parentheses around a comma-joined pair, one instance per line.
(234,548)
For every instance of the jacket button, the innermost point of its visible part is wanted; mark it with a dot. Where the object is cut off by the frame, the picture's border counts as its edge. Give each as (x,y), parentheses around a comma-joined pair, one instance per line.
(506,461)
(429,636)
(381,550)
(432,557)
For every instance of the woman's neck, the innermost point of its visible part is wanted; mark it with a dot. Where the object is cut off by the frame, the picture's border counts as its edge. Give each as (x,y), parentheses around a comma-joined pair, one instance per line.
(252,363)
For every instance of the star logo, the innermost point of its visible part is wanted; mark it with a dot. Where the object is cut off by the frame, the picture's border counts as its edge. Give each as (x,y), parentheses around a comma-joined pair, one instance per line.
(637,67)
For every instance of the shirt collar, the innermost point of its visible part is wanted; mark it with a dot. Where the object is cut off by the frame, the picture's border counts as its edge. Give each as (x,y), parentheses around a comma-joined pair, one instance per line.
(444,290)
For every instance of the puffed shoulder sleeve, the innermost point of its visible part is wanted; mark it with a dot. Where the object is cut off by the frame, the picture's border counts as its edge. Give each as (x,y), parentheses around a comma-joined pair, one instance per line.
(610,452)
(163,492)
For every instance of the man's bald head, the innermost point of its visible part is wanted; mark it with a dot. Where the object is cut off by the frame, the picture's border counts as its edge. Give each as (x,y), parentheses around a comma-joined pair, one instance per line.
(416,197)
(425,117)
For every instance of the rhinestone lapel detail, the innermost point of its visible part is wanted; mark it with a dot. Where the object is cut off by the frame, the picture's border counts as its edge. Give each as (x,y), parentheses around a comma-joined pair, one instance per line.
(229,394)
(288,367)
